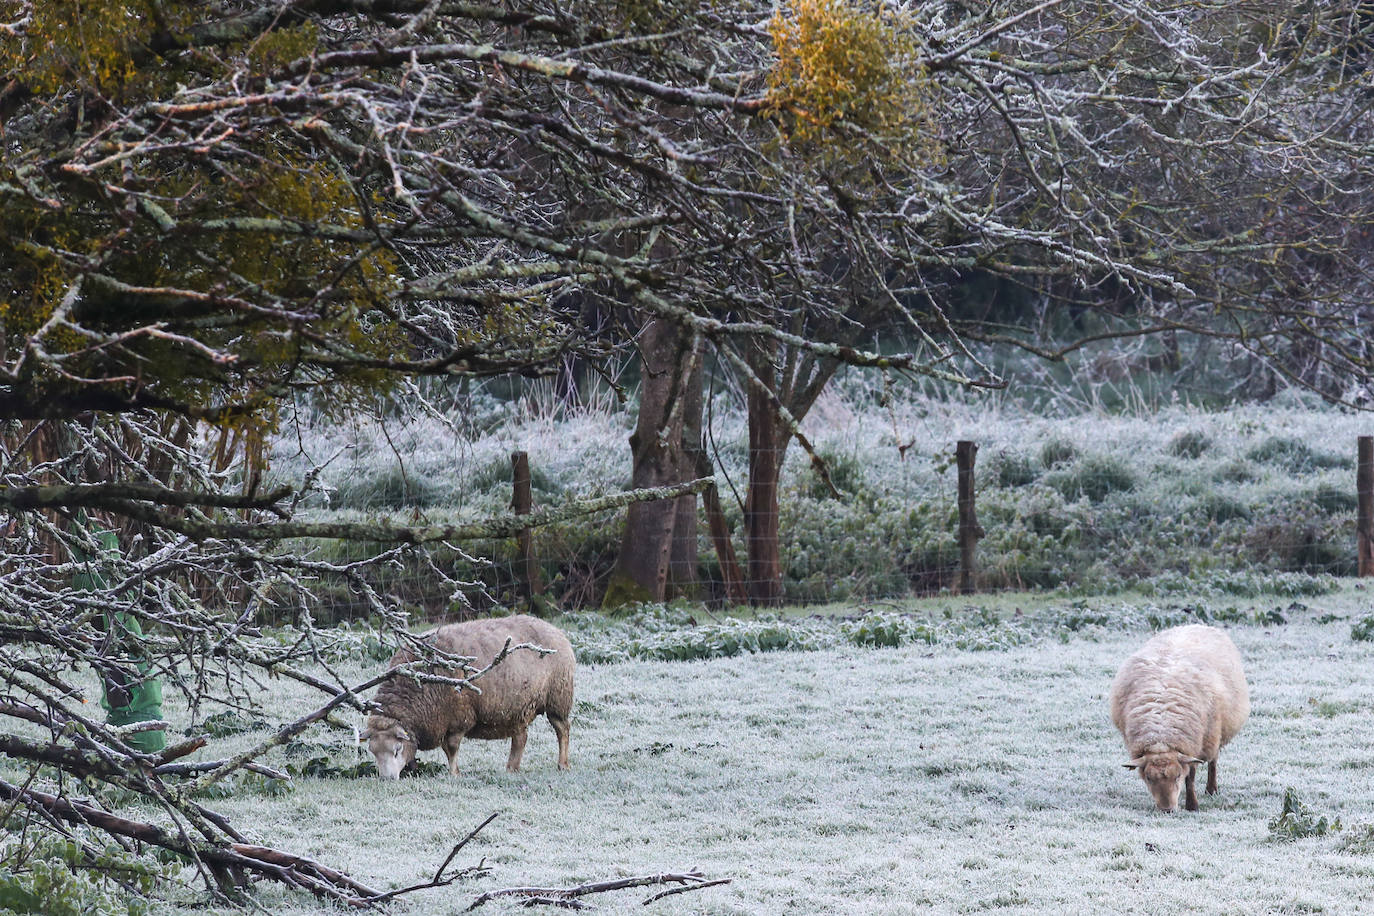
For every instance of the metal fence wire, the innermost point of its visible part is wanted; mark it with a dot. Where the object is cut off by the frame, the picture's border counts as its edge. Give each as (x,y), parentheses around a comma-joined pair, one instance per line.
(1042,514)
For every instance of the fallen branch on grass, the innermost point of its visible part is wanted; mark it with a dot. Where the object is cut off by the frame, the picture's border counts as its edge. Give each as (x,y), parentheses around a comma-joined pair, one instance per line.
(472,871)
(567,896)
(226,861)
(230,861)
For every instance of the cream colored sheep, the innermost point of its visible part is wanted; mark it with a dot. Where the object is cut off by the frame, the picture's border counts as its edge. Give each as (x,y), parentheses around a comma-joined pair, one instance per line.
(419,716)
(1177,701)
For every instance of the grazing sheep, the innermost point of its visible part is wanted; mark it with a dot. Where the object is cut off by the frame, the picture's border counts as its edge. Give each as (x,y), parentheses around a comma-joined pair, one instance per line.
(1177,701)
(418,716)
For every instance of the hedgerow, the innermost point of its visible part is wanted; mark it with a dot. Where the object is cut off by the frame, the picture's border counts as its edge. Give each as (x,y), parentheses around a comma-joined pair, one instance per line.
(1239,502)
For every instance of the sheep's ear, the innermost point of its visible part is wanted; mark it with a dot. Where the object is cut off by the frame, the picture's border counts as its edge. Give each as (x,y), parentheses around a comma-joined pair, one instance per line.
(1191,761)
(1134,764)
(402,734)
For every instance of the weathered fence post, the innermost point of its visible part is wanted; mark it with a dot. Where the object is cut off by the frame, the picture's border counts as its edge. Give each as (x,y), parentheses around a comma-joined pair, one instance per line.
(522,501)
(969,529)
(1364,520)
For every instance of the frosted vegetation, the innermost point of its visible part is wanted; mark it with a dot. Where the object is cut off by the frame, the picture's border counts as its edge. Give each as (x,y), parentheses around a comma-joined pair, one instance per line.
(937,773)
(1073,497)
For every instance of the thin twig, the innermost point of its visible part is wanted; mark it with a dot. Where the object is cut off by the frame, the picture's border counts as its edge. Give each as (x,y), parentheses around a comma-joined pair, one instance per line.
(439,880)
(567,896)
(682,890)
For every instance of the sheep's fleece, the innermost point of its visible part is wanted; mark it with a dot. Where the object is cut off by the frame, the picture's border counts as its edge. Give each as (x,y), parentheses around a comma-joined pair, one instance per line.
(1177,701)
(419,716)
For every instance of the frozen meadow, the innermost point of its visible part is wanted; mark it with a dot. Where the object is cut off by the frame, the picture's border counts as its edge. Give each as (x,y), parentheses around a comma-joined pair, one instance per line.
(918,779)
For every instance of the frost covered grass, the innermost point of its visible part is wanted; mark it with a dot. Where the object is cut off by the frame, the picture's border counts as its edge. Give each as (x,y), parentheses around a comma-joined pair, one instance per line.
(921,778)
(1087,501)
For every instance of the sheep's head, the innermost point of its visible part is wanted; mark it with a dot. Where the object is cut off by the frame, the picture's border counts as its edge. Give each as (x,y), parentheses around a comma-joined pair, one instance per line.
(1164,772)
(391,745)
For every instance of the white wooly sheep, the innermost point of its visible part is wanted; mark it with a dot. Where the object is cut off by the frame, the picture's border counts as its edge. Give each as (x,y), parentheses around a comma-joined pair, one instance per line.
(415,715)
(1177,701)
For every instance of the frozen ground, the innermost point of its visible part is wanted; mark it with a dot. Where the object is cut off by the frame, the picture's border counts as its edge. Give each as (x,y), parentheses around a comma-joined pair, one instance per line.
(881,781)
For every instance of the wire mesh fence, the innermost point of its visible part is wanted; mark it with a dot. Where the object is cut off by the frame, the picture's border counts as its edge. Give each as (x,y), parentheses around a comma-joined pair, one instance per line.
(1090,503)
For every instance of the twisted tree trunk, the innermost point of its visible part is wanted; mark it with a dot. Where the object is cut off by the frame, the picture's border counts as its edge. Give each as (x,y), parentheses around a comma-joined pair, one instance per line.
(670,360)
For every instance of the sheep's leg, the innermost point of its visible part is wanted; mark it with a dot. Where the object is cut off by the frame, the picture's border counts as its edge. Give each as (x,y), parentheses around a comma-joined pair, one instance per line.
(451,743)
(560,728)
(1190,802)
(517,750)
(1212,777)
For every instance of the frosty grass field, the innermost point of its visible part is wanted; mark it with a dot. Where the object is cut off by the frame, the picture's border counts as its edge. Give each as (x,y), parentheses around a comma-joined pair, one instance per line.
(911,780)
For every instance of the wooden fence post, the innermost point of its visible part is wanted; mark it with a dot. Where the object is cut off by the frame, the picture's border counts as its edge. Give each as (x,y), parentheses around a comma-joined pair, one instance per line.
(1364,518)
(969,530)
(522,501)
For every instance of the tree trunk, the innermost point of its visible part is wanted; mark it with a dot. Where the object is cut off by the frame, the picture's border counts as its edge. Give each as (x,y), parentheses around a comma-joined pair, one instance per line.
(767,442)
(668,361)
(684,557)
(732,579)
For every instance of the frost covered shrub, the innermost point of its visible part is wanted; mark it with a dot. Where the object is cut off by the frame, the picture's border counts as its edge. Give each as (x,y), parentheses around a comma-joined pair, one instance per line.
(1096,477)
(1333,499)
(727,638)
(1221,507)
(1241,584)
(351,640)
(1033,538)
(1363,629)
(391,487)
(1001,635)
(1013,469)
(58,876)
(887,630)
(860,546)
(1294,534)
(1191,443)
(1294,455)
(1358,839)
(1297,821)
(496,475)
(668,634)
(846,473)
(1235,471)
(661,634)
(1163,618)
(1282,451)
(1056,452)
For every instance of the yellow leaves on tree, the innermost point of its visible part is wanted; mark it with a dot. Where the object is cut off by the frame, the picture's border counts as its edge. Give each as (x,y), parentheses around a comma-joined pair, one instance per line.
(845,62)
(85,42)
(281,46)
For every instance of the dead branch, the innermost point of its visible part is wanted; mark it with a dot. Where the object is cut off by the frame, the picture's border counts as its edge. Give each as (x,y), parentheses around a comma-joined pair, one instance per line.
(287,868)
(682,890)
(472,871)
(568,896)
